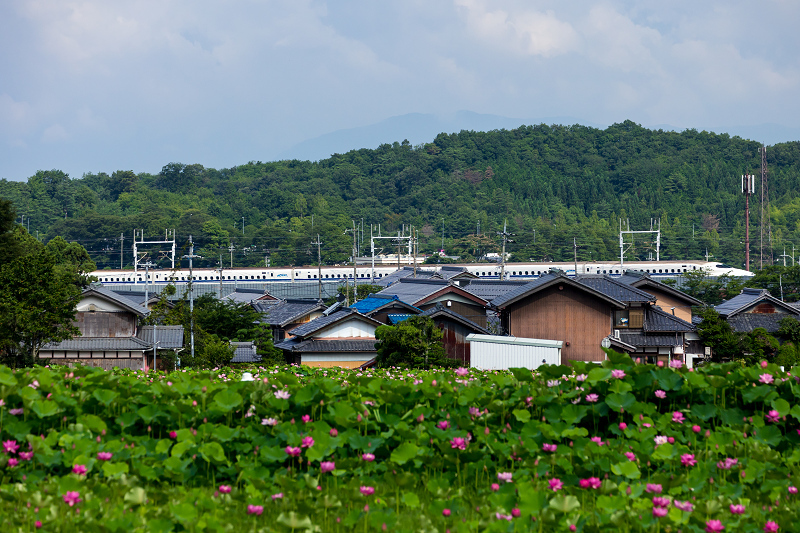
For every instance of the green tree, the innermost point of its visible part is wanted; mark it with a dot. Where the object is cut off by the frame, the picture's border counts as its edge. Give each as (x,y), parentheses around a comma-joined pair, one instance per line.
(759,345)
(10,247)
(413,343)
(789,329)
(717,334)
(37,306)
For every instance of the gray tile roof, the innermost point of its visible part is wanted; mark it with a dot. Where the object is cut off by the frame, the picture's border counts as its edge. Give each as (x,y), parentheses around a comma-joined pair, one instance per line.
(643,339)
(405,272)
(491,289)
(322,346)
(244,352)
(521,290)
(615,289)
(244,295)
(643,281)
(168,337)
(747,322)
(439,310)
(114,297)
(99,344)
(449,272)
(287,311)
(309,328)
(747,298)
(414,290)
(656,319)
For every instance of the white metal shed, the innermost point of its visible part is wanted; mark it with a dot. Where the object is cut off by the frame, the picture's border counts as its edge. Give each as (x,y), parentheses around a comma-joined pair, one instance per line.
(493,352)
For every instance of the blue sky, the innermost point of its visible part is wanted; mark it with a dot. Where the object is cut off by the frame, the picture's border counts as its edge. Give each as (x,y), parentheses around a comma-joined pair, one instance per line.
(99,85)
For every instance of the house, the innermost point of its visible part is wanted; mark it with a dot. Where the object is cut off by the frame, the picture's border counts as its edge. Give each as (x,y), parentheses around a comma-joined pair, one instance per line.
(344,338)
(246,296)
(109,328)
(668,298)
(455,329)
(756,308)
(402,273)
(426,293)
(245,352)
(583,311)
(288,314)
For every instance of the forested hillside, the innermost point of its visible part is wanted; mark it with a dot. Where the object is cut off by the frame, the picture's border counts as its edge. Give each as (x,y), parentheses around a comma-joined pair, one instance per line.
(552,184)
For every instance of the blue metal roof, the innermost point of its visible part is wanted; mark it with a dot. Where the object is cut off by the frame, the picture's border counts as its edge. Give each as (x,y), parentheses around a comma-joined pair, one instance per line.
(372,302)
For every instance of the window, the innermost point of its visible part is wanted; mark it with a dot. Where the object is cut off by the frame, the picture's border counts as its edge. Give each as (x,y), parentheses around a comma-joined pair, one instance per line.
(621,319)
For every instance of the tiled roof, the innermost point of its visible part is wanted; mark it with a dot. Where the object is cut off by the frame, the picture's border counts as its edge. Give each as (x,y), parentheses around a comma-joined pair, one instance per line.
(244,352)
(98,344)
(138,297)
(321,346)
(168,337)
(244,295)
(615,289)
(747,298)
(490,289)
(642,339)
(405,272)
(121,300)
(642,280)
(309,328)
(414,290)
(440,310)
(747,322)
(657,320)
(449,272)
(521,290)
(287,311)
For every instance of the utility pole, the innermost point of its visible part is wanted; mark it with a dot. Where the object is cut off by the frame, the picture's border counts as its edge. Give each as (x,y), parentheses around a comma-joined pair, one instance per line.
(191,297)
(121,248)
(575,252)
(230,249)
(442,235)
(219,270)
(147,267)
(748,188)
(242,226)
(355,232)
(415,234)
(399,249)
(506,239)
(784,256)
(319,264)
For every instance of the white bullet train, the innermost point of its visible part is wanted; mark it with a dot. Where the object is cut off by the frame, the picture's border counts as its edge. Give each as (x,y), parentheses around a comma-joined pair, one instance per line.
(365,273)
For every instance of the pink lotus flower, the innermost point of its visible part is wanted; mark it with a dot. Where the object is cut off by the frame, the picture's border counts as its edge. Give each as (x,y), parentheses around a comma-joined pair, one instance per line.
(737,509)
(659,501)
(766,378)
(38,524)
(617,374)
(459,443)
(10,446)
(277,496)
(515,512)
(623,426)
(792,489)
(677,417)
(445,512)
(16,412)
(306,419)
(505,476)
(173,434)
(555,484)
(696,428)
(727,463)
(444,424)
(282,394)
(367,491)
(549,447)
(327,466)
(12,462)
(308,442)
(688,459)
(773,416)
(368,457)
(26,456)
(79,469)
(771,527)
(104,456)
(461,372)
(255,509)
(495,487)
(660,394)
(269,422)
(225,489)
(653,488)
(293,451)
(598,441)
(590,483)
(659,440)
(592,398)
(684,506)
(764,364)
(676,363)
(660,511)
(631,456)
(501,516)
(72,497)
(334,432)
(714,526)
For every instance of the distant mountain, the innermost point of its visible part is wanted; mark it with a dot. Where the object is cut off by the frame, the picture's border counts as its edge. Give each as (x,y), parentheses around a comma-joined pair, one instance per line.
(417,128)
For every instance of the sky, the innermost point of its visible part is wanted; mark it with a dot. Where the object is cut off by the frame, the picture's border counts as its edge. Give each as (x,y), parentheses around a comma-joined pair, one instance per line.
(105,85)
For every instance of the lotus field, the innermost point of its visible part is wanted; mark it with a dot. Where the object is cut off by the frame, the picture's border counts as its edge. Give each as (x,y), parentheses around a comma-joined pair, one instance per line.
(619,447)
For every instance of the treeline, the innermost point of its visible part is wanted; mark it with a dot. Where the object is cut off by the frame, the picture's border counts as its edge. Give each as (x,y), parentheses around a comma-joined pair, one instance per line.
(555,185)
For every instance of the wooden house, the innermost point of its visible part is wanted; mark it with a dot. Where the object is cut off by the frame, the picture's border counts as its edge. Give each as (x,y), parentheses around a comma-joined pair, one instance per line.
(427,293)
(288,314)
(756,308)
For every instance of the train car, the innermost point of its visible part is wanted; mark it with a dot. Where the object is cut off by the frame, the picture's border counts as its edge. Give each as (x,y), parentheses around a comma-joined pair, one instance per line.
(365,273)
